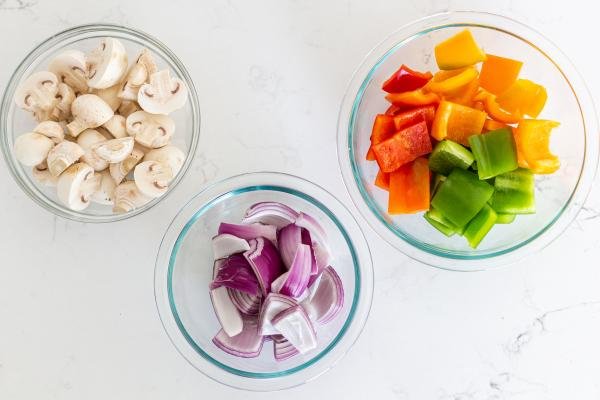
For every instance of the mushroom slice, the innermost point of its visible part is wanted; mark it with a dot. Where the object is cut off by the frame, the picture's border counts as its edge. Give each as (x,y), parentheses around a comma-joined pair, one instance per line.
(138,75)
(110,95)
(88,139)
(163,94)
(107,64)
(104,132)
(62,156)
(150,130)
(43,176)
(70,68)
(168,155)
(76,186)
(128,107)
(65,97)
(119,170)
(38,94)
(89,111)
(114,150)
(152,178)
(116,126)
(32,148)
(52,130)
(106,191)
(128,197)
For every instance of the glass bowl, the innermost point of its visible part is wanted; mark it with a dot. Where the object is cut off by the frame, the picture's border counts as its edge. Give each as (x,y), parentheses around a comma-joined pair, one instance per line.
(559,197)
(15,121)
(184,270)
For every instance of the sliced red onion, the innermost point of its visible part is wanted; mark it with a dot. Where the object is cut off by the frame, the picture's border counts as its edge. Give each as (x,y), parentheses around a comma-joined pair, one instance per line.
(264,260)
(248,343)
(274,304)
(226,244)
(270,213)
(328,299)
(278,283)
(313,226)
(236,273)
(288,239)
(299,272)
(249,231)
(246,303)
(228,315)
(283,350)
(294,324)
(217,267)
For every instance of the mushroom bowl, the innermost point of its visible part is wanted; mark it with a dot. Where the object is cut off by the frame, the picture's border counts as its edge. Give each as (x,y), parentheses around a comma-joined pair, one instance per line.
(99,123)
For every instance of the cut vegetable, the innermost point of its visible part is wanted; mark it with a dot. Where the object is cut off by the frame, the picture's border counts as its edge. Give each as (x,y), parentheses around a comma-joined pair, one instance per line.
(265,262)
(382,180)
(283,349)
(499,73)
(404,147)
(328,298)
(228,315)
(295,326)
(270,213)
(246,303)
(514,193)
(479,226)
(505,218)
(446,230)
(410,117)
(457,122)
(413,99)
(299,273)
(458,51)
(225,245)
(495,152)
(249,231)
(405,79)
(289,238)
(532,138)
(383,129)
(447,82)
(409,188)
(247,344)
(236,273)
(523,97)
(448,155)
(274,304)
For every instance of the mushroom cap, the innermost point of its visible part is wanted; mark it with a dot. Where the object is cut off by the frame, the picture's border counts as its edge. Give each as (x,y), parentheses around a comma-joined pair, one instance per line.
(114,150)
(163,94)
(152,178)
(107,64)
(76,185)
(87,139)
(110,95)
(62,156)
(169,155)
(52,130)
(65,97)
(37,94)
(89,111)
(120,170)
(70,68)
(106,191)
(116,126)
(32,148)
(150,130)
(128,197)
(138,75)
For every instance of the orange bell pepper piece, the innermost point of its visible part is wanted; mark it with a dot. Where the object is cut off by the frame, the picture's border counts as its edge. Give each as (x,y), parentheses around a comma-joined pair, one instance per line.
(446,82)
(532,137)
(411,117)
(492,125)
(403,147)
(382,180)
(465,95)
(499,73)
(523,97)
(491,106)
(409,188)
(414,98)
(383,128)
(457,122)
(458,51)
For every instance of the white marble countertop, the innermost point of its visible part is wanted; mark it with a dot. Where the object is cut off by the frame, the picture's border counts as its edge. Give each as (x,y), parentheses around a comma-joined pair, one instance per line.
(77,312)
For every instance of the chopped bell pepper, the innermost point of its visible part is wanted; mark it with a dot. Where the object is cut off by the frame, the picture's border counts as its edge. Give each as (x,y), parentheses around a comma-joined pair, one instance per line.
(514,192)
(406,80)
(505,218)
(445,229)
(448,155)
(411,117)
(492,125)
(523,97)
(495,152)
(446,82)
(532,137)
(382,180)
(393,110)
(457,122)
(480,225)
(403,147)
(414,98)
(464,95)
(491,106)
(458,51)
(409,188)
(461,196)
(383,128)
(499,73)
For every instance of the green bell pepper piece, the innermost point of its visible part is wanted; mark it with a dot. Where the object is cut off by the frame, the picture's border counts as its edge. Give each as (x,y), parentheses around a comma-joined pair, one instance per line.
(505,218)
(514,192)
(460,197)
(495,153)
(479,226)
(437,181)
(446,230)
(448,155)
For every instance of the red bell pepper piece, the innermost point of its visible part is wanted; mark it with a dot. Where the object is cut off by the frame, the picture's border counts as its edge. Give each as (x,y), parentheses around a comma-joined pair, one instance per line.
(409,188)
(383,128)
(411,117)
(393,110)
(405,146)
(406,80)
(382,180)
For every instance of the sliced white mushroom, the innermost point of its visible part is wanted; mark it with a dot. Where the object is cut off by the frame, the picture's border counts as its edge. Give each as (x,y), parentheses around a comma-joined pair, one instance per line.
(43,176)
(104,132)
(65,97)
(116,126)
(62,156)
(106,191)
(37,94)
(168,155)
(106,64)
(138,75)
(119,170)
(32,148)
(110,95)
(152,178)
(128,107)
(89,111)
(87,140)
(76,186)
(70,68)
(163,94)
(150,130)
(52,130)
(114,150)
(128,197)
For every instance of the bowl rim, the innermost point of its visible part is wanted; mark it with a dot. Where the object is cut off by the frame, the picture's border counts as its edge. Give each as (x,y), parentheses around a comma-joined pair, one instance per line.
(102,29)
(361,199)
(363,278)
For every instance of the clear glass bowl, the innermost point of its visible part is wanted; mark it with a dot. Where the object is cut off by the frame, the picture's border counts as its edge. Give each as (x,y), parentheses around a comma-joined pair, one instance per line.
(15,121)
(559,197)
(184,271)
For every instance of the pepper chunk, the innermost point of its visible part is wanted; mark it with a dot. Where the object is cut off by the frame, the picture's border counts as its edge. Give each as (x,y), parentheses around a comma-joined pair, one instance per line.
(446,82)
(457,122)
(523,97)
(461,196)
(414,98)
(491,106)
(492,125)
(405,146)
(495,153)
(532,137)
(480,226)
(514,193)
(405,80)
(382,180)
(448,155)
(409,188)
(383,128)
(464,95)
(499,73)
(458,51)
(411,117)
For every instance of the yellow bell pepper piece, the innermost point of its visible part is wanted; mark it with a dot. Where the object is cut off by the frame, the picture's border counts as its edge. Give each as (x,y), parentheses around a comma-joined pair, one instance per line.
(532,137)
(523,97)
(457,122)
(445,82)
(458,51)
(491,106)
